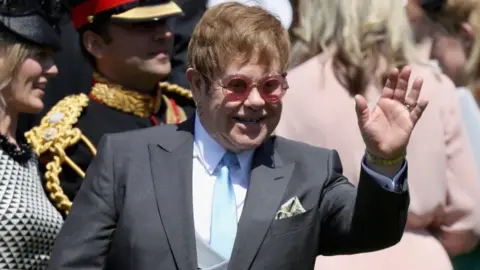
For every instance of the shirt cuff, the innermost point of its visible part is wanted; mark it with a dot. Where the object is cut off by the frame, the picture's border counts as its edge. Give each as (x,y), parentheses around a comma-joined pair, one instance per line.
(391,184)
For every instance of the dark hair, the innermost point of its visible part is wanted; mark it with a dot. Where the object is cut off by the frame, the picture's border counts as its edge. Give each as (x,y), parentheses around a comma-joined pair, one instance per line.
(432,6)
(448,16)
(100,27)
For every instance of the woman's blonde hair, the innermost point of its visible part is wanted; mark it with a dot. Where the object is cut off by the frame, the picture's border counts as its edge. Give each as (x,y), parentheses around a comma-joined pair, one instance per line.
(12,55)
(362,32)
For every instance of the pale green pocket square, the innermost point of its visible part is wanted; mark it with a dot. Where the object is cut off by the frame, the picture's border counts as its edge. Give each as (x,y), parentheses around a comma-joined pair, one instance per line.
(291,208)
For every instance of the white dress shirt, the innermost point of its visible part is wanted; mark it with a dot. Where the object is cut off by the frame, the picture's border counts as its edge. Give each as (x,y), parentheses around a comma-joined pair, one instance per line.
(207,154)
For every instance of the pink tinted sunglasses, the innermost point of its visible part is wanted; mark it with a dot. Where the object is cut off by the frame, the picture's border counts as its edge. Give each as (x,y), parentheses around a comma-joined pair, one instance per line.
(237,87)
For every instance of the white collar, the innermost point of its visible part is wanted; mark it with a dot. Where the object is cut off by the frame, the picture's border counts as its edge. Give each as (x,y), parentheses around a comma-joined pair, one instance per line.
(211,153)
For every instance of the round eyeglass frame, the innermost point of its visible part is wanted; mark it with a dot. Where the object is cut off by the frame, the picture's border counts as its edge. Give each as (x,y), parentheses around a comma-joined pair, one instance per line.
(232,96)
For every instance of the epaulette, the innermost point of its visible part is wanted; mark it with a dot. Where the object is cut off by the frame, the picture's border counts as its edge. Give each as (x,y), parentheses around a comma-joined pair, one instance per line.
(52,137)
(176,89)
(170,94)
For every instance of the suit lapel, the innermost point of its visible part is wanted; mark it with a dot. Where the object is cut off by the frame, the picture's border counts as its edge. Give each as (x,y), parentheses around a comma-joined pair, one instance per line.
(171,166)
(268,181)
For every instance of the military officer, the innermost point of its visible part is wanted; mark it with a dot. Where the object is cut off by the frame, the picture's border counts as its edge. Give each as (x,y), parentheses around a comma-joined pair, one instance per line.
(128,43)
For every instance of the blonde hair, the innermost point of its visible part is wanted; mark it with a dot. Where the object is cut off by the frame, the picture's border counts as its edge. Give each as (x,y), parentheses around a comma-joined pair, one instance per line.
(13,54)
(233,31)
(362,32)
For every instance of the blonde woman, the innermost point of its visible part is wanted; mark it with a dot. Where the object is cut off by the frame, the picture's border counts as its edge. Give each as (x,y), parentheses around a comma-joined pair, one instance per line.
(350,45)
(454,27)
(28,221)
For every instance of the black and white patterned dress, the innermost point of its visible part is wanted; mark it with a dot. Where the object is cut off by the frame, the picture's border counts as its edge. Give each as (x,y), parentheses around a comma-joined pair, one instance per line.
(29,223)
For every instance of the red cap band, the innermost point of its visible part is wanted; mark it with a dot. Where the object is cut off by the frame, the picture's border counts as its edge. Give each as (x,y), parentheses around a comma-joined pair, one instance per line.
(81,12)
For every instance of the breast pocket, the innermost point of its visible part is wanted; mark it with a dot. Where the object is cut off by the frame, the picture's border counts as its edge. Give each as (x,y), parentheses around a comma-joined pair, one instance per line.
(291,224)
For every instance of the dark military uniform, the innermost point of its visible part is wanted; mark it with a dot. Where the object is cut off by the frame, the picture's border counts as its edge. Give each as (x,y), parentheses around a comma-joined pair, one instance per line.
(66,138)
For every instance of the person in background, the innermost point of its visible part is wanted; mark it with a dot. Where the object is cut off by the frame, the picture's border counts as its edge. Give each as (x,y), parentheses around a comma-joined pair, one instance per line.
(356,42)
(75,72)
(129,44)
(443,35)
(448,31)
(29,223)
(218,191)
(469,93)
(469,98)
(452,40)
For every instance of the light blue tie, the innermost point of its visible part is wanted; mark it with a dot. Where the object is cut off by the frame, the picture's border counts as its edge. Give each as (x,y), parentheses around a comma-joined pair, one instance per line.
(224,209)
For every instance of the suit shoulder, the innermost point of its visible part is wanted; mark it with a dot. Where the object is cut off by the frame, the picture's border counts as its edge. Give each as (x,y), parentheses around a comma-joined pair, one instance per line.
(142,136)
(297,150)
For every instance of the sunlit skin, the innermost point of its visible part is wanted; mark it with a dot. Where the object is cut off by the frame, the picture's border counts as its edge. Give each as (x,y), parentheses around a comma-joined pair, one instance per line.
(236,125)
(137,55)
(27,87)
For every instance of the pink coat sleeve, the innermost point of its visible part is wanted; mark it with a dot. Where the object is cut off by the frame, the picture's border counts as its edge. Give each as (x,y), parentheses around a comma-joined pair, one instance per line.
(458,229)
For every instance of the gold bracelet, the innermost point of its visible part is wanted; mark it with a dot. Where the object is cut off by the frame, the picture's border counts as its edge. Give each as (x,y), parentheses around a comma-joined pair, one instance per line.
(383,161)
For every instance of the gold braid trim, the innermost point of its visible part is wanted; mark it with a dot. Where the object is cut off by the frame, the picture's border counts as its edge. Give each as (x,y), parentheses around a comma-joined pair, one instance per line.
(142,105)
(127,101)
(177,89)
(56,133)
(174,115)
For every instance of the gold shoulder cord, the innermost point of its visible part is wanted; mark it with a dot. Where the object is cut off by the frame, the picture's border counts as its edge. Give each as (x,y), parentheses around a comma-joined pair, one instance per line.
(174,115)
(57,132)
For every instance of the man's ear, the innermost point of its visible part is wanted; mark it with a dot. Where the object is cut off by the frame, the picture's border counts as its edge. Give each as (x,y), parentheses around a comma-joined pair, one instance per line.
(192,77)
(94,44)
(196,80)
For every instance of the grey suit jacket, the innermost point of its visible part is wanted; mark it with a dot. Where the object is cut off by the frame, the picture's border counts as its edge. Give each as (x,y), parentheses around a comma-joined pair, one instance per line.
(134,210)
